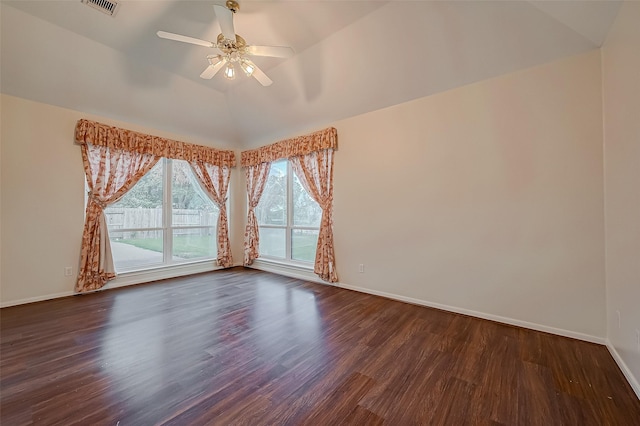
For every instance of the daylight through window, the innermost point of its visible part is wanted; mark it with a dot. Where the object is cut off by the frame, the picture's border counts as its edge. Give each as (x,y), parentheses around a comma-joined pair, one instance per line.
(165,219)
(288,218)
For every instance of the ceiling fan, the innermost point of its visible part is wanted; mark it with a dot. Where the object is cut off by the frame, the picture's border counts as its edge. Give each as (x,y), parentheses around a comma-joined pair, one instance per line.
(231,49)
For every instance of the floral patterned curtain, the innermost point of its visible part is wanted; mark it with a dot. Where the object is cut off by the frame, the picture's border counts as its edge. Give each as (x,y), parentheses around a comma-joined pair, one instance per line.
(315,172)
(257,176)
(127,140)
(312,159)
(115,160)
(294,147)
(215,180)
(110,174)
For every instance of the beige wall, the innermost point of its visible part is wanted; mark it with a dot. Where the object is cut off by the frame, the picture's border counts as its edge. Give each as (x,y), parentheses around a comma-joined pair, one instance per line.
(487,198)
(621,90)
(43,198)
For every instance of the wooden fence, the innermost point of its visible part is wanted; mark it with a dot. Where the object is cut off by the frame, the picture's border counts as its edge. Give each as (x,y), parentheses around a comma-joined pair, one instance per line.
(136,218)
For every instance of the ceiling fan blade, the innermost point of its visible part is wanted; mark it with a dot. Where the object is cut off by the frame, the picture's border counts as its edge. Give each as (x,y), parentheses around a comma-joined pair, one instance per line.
(261,77)
(225,19)
(185,39)
(212,70)
(273,51)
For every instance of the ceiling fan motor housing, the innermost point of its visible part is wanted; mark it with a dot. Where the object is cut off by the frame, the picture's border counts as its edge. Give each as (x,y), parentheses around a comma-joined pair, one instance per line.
(230,47)
(232,5)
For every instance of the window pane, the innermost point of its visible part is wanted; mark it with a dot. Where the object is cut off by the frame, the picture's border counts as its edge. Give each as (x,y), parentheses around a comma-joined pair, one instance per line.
(272,209)
(141,207)
(191,206)
(136,249)
(194,243)
(306,212)
(273,242)
(303,244)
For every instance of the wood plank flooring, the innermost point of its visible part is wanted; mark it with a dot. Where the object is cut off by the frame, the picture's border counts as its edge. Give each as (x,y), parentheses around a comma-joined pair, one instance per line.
(243,347)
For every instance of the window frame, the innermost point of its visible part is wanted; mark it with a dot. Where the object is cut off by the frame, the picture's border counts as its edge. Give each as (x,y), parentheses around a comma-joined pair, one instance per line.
(289,227)
(167,228)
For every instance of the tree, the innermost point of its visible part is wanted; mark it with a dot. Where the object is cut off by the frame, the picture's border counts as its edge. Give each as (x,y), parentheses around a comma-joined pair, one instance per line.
(185,192)
(306,212)
(272,208)
(147,193)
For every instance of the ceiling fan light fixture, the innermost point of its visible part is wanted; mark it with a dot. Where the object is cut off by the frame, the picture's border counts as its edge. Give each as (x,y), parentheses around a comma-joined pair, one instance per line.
(215,59)
(229,72)
(247,66)
(230,48)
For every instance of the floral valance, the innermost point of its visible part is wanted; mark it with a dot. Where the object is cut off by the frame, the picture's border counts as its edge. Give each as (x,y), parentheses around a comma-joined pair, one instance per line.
(100,134)
(294,147)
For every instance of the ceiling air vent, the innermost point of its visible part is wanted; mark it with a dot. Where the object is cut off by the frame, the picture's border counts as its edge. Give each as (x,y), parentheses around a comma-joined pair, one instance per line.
(110,7)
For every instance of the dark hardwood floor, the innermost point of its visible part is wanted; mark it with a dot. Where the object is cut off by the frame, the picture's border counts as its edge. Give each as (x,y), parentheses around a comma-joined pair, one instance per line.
(243,347)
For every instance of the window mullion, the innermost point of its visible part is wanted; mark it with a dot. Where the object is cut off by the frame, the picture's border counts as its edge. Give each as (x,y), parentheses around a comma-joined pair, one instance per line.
(289,209)
(167,212)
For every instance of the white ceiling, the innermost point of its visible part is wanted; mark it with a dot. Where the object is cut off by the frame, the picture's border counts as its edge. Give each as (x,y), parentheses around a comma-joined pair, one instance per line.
(351,57)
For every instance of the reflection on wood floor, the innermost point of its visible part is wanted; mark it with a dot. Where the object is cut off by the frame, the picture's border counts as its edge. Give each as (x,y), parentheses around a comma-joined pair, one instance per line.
(248,347)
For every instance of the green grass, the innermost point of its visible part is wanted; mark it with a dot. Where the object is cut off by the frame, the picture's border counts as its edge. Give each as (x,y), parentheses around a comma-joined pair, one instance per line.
(184,246)
(304,247)
(192,246)
(153,244)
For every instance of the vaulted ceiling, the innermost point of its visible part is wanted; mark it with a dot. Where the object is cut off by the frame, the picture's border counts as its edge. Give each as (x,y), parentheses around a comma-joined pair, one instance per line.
(351,57)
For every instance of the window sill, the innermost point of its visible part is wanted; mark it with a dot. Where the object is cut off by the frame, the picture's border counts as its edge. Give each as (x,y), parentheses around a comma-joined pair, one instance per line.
(162,272)
(302,266)
(293,270)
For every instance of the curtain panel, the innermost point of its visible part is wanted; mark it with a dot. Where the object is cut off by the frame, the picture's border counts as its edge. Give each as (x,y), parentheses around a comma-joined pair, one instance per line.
(115,160)
(110,174)
(311,157)
(315,172)
(257,176)
(215,181)
(294,147)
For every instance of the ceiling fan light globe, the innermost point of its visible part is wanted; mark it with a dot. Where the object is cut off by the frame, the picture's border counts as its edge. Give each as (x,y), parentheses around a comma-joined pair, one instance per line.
(247,67)
(229,72)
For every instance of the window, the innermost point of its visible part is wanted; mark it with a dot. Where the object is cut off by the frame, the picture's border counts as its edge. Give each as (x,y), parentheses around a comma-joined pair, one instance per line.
(288,218)
(165,219)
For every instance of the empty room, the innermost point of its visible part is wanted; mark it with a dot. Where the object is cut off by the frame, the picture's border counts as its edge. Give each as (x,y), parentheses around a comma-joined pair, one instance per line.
(319,212)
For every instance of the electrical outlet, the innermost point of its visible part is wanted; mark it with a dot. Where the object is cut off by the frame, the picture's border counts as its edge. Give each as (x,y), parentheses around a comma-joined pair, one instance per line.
(361,268)
(68,271)
(619,322)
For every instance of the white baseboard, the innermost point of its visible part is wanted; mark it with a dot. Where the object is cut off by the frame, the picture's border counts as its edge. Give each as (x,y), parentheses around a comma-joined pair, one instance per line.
(483,315)
(633,381)
(35,299)
(131,278)
(307,275)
